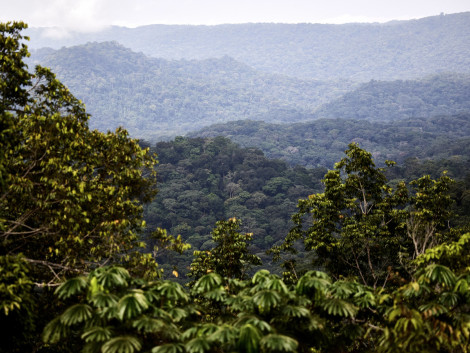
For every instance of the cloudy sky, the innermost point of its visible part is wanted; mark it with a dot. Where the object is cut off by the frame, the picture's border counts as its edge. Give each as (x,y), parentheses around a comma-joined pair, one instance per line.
(89,15)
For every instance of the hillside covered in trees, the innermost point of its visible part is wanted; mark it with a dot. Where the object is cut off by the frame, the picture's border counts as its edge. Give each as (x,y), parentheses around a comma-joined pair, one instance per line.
(376,258)
(158,98)
(155,98)
(359,52)
(322,142)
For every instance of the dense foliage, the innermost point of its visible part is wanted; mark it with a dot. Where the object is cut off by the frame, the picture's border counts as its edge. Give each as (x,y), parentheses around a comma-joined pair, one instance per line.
(71,211)
(322,142)
(444,94)
(202,181)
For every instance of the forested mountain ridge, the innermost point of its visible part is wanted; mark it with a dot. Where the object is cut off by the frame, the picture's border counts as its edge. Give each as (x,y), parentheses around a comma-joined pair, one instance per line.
(444,94)
(390,271)
(361,52)
(322,142)
(154,98)
(157,98)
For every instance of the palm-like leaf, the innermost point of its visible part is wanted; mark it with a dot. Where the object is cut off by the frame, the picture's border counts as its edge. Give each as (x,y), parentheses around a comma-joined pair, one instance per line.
(97,334)
(313,282)
(364,299)
(261,325)
(249,339)
(260,276)
(278,343)
(173,291)
(441,275)
(169,348)
(224,334)
(122,344)
(295,311)
(177,314)
(75,314)
(339,307)
(277,285)
(147,324)
(71,287)
(132,305)
(266,299)
(103,300)
(432,309)
(54,331)
(197,345)
(207,283)
(449,299)
(217,294)
(110,277)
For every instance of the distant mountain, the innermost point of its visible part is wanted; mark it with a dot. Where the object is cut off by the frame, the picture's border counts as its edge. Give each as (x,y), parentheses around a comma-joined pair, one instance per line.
(157,98)
(444,94)
(360,52)
(322,142)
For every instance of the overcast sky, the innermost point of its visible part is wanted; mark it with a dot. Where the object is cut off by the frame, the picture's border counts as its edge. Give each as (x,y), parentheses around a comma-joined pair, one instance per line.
(89,15)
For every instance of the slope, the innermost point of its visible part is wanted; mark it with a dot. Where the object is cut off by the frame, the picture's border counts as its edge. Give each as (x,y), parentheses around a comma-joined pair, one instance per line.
(157,98)
(394,50)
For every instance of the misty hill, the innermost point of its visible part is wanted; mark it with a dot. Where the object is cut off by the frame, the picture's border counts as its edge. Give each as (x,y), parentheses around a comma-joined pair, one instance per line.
(444,94)
(154,98)
(322,142)
(361,52)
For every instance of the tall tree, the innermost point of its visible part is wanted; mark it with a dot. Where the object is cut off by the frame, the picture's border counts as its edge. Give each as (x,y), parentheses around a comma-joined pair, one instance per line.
(360,226)
(230,257)
(72,197)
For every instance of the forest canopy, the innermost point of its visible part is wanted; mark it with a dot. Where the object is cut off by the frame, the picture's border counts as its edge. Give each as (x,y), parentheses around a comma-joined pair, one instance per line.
(74,275)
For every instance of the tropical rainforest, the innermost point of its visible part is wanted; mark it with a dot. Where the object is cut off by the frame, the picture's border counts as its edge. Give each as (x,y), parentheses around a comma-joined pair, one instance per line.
(348,231)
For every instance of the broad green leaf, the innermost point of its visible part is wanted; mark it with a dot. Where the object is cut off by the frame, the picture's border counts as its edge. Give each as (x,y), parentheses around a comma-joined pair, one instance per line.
(122,344)
(278,343)
(71,287)
(76,314)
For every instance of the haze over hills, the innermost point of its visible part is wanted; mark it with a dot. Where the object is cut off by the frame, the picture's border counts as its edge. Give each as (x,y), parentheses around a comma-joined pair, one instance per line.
(361,52)
(156,98)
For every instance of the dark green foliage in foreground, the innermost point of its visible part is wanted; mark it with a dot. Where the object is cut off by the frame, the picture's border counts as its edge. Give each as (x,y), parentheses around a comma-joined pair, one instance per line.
(202,181)
(360,226)
(108,311)
(46,195)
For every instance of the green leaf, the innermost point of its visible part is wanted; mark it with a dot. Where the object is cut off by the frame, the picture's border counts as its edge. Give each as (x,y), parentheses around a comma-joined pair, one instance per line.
(102,300)
(207,283)
(55,331)
(147,324)
(440,274)
(76,314)
(278,343)
(169,348)
(132,305)
(197,345)
(266,299)
(122,344)
(173,291)
(71,287)
(97,334)
(249,339)
(339,307)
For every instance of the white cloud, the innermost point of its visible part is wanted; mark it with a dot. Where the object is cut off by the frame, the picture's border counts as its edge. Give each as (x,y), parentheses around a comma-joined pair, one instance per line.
(90,15)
